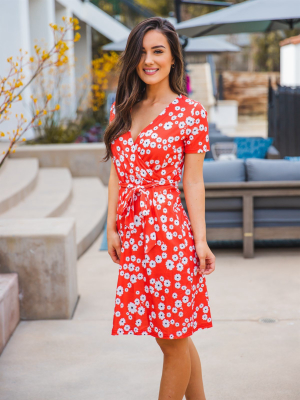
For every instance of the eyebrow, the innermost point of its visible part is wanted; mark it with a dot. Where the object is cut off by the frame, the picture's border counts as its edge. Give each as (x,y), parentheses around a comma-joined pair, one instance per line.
(155,47)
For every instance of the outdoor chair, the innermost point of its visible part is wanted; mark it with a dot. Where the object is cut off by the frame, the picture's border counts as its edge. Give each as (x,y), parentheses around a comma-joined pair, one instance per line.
(221,148)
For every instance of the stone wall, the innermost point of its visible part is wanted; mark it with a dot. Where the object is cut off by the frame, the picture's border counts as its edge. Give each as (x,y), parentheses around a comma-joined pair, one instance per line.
(249,89)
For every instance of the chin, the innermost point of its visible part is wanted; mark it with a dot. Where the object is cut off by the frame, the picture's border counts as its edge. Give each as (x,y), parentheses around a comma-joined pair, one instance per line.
(151,80)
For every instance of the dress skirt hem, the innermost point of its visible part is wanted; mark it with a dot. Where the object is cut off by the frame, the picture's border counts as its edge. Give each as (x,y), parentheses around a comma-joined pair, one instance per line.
(114,332)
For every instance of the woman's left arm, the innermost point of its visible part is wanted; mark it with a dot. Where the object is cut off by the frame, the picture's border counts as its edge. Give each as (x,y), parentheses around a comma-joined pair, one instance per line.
(194,193)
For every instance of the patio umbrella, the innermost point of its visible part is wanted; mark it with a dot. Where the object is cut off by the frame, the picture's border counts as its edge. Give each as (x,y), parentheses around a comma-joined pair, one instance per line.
(207,45)
(249,16)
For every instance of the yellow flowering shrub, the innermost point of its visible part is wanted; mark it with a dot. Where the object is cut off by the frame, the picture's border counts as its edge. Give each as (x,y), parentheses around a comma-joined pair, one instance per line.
(101,68)
(13,85)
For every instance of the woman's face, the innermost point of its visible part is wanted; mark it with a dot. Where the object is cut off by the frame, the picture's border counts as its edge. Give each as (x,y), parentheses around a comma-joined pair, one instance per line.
(156,60)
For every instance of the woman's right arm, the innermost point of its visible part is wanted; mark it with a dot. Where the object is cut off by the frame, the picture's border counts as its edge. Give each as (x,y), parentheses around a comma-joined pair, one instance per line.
(113,238)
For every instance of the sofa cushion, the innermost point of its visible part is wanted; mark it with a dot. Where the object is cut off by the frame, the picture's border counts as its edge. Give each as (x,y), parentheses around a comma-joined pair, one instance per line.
(249,147)
(272,170)
(224,171)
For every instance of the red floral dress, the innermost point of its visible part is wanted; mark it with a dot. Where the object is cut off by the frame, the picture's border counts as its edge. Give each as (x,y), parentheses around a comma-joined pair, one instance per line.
(159,291)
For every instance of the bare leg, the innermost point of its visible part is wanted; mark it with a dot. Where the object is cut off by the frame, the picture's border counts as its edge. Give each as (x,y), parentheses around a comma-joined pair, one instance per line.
(195,389)
(176,368)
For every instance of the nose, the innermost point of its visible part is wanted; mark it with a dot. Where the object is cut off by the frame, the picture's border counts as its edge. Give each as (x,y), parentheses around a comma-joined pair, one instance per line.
(148,58)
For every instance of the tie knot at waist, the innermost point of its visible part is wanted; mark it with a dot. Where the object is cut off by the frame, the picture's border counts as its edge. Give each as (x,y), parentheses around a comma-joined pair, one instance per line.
(126,202)
(133,189)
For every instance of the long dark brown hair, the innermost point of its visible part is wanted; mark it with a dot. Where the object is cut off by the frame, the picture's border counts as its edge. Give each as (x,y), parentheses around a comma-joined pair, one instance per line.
(130,86)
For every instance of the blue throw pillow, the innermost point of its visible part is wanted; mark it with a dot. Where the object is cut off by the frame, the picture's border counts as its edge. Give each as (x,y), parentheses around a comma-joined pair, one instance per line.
(252,147)
(292,158)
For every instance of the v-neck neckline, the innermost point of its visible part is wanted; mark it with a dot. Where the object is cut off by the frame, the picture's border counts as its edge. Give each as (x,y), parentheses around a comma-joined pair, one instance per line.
(152,122)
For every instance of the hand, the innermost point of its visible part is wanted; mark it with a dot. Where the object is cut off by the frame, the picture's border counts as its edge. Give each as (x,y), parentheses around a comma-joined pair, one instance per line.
(206,257)
(114,246)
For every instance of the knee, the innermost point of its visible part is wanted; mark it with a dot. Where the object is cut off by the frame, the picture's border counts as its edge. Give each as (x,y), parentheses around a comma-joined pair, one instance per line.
(173,347)
(167,346)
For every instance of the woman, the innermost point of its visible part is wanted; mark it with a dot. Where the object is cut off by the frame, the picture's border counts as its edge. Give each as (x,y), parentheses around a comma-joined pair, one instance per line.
(163,257)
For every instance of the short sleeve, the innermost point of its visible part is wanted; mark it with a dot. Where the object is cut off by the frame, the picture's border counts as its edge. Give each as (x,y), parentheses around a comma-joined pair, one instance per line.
(196,138)
(112,112)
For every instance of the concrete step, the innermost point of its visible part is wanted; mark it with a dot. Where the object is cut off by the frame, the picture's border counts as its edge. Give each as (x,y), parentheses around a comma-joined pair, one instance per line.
(18,178)
(50,197)
(42,251)
(88,206)
(9,307)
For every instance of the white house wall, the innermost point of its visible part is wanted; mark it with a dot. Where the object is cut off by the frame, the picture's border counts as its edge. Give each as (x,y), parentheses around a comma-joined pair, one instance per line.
(290,65)
(15,34)
(83,58)
(68,102)
(83,50)
(41,14)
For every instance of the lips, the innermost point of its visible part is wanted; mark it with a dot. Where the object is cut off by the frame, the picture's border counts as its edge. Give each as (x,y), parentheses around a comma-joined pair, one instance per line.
(150,71)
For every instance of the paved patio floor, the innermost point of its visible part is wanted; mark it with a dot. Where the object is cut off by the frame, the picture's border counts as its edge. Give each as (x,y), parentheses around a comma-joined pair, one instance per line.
(242,358)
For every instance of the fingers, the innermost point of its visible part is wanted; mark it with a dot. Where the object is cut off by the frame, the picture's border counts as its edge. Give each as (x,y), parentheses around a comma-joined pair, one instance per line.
(210,265)
(202,263)
(118,250)
(114,257)
(208,271)
(114,246)
(115,254)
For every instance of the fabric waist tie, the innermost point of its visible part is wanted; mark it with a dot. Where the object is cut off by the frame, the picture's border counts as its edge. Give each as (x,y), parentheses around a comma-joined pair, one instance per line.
(147,206)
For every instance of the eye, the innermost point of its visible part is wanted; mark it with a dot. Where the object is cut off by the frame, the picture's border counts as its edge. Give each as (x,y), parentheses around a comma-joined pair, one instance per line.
(159,51)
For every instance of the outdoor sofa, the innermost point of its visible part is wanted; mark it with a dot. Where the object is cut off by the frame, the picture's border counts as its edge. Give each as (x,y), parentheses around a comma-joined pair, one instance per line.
(251,200)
